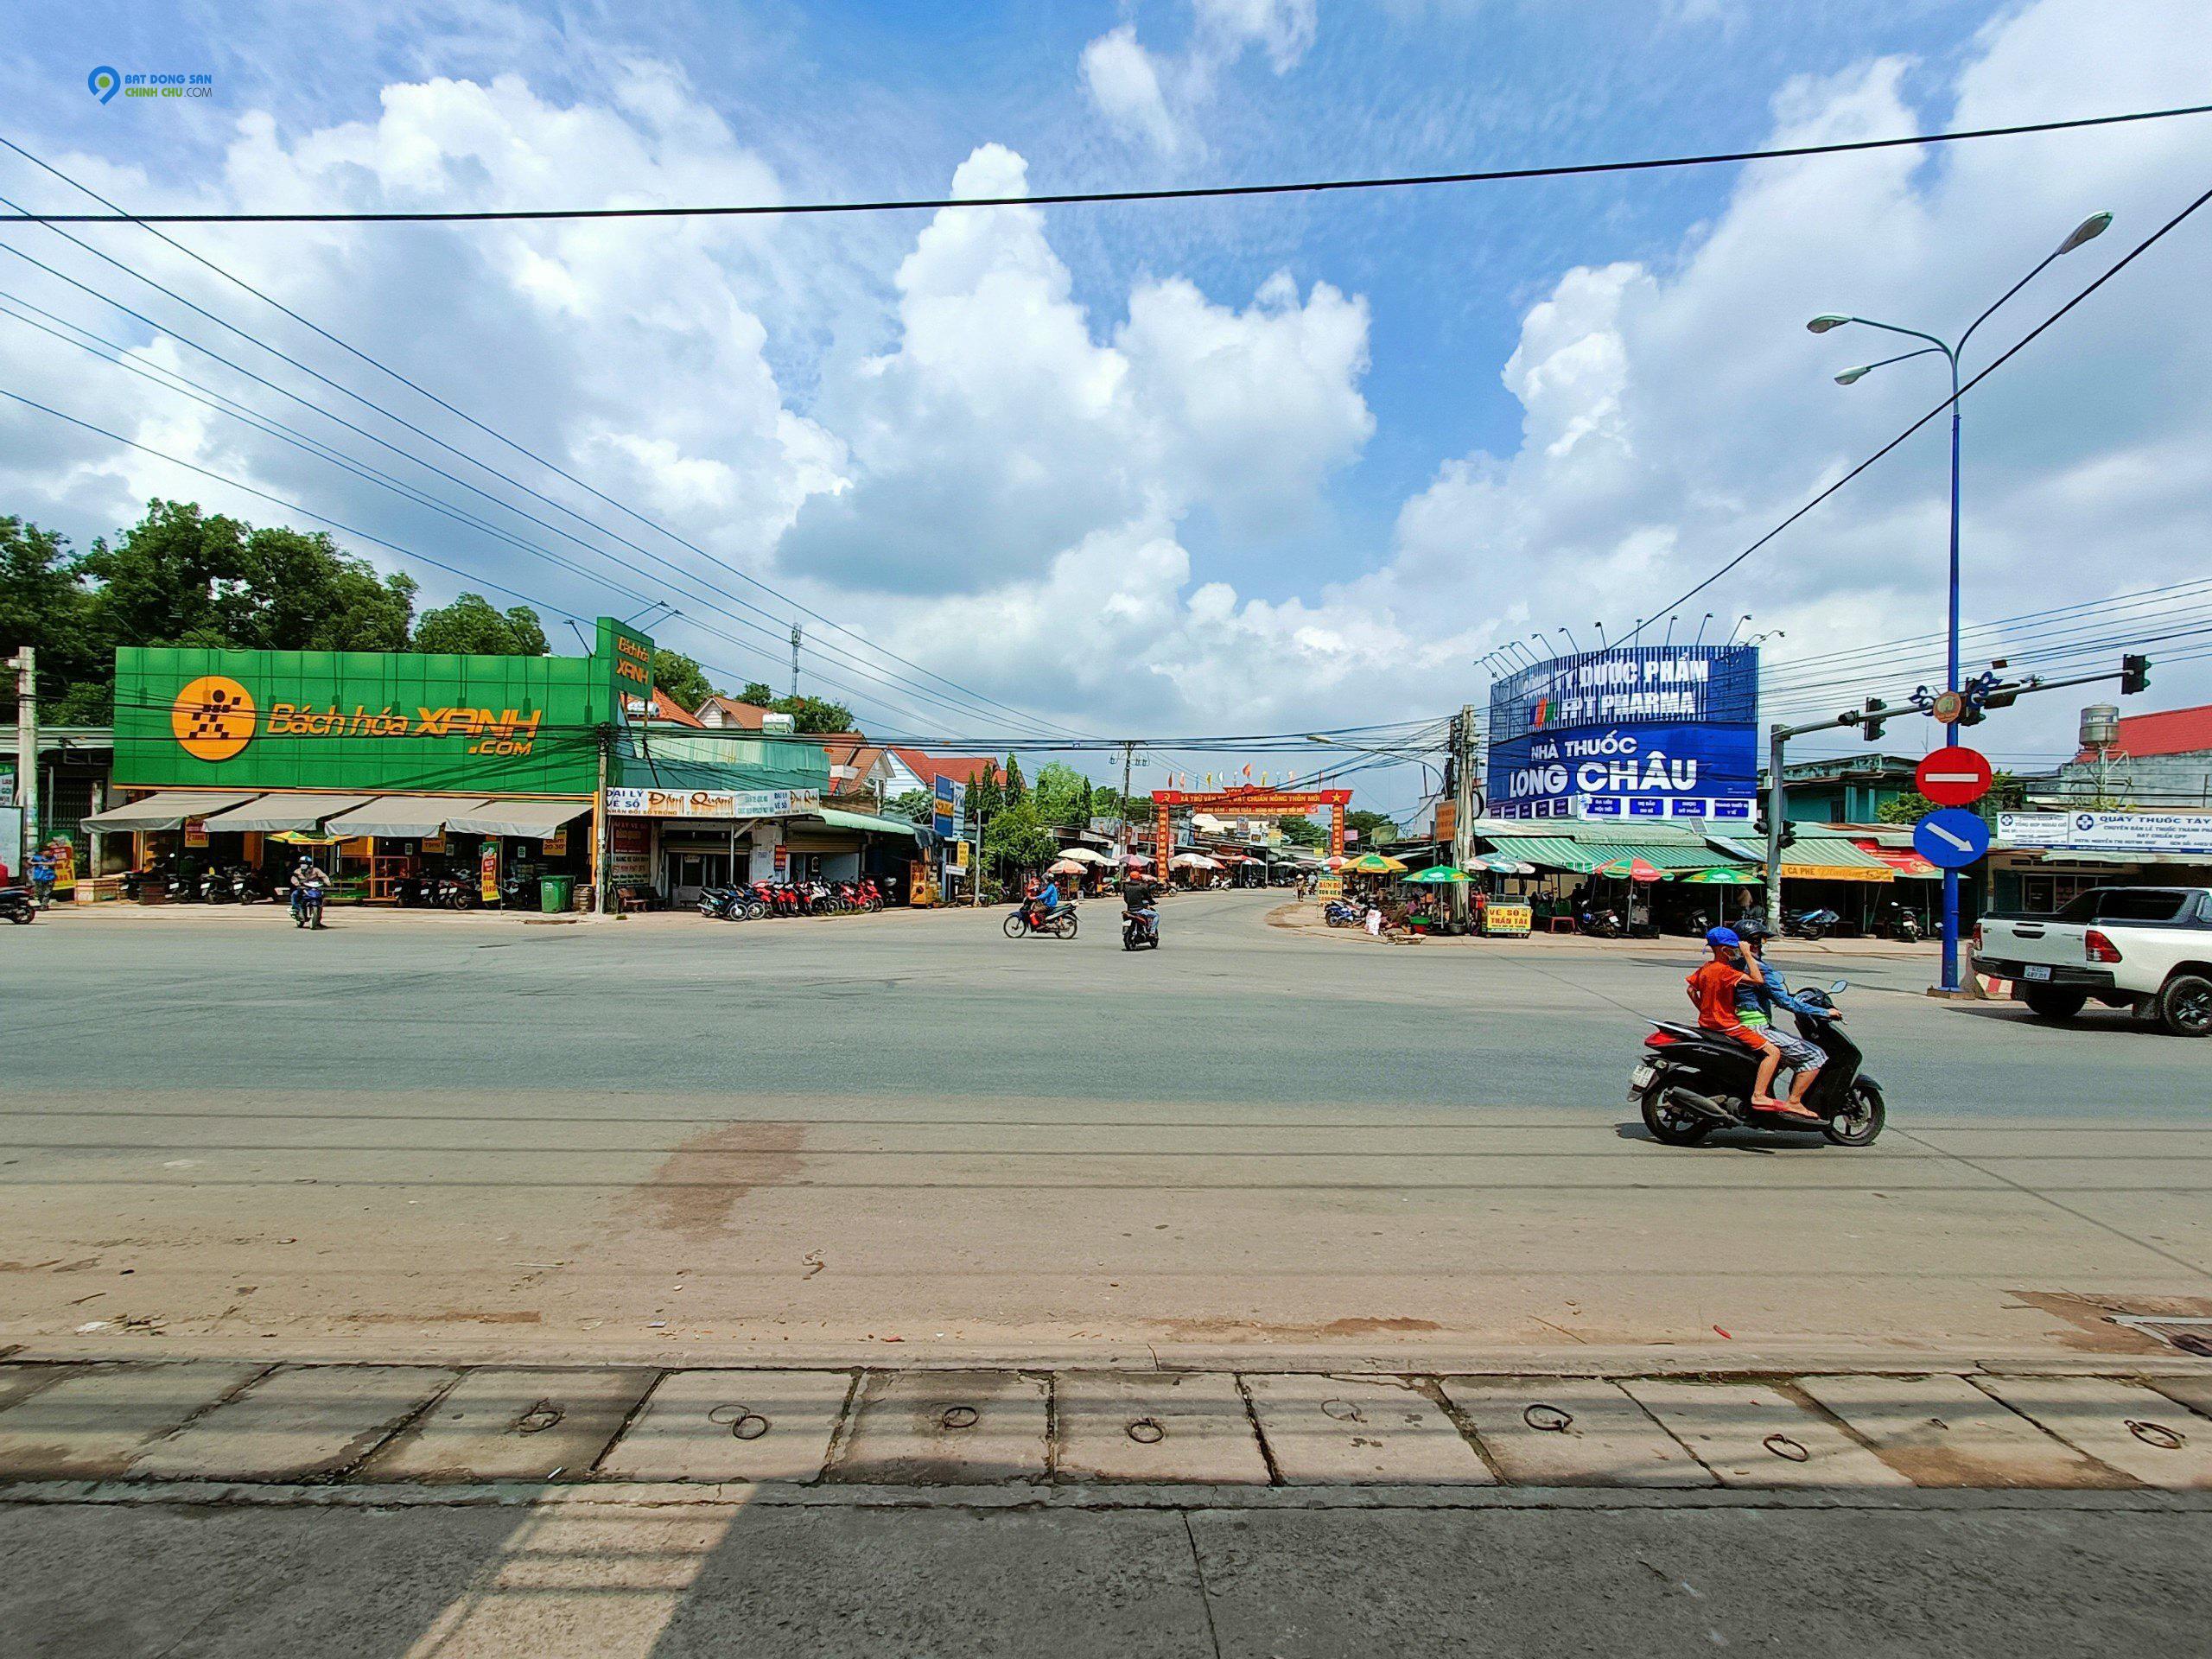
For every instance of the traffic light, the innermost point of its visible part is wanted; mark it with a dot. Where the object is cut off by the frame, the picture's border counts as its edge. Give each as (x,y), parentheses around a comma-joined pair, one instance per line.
(1762,825)
(2134,674)
(1869,728)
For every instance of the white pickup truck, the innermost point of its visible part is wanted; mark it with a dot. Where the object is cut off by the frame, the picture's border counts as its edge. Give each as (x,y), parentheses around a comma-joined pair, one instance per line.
(2147,949)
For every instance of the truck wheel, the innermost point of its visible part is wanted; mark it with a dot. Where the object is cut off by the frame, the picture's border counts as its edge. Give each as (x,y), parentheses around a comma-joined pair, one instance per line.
(2055,1001)
(2184,1006)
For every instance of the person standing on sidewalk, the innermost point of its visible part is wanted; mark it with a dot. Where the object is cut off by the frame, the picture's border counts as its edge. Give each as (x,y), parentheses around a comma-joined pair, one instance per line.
(41,874)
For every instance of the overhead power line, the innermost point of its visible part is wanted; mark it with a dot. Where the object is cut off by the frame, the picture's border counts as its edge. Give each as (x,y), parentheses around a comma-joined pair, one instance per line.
(1995,364)
(1069,197)
(965,692)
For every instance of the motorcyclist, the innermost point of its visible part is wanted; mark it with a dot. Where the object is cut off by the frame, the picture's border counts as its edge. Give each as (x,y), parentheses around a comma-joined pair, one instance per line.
(1140,897)
(1045,904)
(1713,990)
(308,884)
(1755,1003)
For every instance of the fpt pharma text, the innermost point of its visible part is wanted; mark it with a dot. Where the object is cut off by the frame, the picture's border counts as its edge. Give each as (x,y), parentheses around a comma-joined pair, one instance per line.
(1665,688)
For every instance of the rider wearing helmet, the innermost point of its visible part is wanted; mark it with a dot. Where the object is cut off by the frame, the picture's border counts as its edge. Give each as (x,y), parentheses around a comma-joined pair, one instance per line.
(1713,990)
(308,884)
(1755,1003)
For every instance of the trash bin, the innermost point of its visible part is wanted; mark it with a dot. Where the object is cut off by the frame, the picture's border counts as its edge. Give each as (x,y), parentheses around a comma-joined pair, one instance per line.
(555,894)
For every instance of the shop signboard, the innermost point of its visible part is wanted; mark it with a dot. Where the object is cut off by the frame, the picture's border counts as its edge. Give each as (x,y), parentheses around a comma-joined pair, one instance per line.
(1648,732)
(487,870)
(630,850)
(2108,832)
(1508,921)
(711,802)
(556,845)
(195,832)
(11,841)
(360,721)
(949,809)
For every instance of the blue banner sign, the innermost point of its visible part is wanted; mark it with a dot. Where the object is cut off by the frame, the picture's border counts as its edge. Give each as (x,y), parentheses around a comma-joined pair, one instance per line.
(1642,731)
(948,809)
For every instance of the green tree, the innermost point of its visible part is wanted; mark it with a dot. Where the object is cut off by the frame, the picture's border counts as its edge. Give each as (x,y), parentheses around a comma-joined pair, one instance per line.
(1062,796)
(1304,832)
(759,693)
(1014,838)
(679,679)
(916,805)
(814,713)
(985,794)
(472,626)
(1011,790)
(44,605)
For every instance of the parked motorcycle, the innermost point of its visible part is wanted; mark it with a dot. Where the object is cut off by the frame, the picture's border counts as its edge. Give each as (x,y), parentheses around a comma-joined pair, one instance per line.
(180,888)
(214,887)
(1340,913)
(1895,921)
(453,893)
(1812,925)
(1692,1082)
(17,905)
(1600,924)
(249,886)
(1140,932)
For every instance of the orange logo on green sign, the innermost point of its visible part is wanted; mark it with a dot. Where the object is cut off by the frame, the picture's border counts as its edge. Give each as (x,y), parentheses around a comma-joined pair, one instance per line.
(213,717)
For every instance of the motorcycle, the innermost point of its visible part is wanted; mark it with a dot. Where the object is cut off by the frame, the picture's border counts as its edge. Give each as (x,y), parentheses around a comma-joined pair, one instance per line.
(871,896)
(248,887)
(1812,924)
(1600,924)
(1339,913)
(1692,1082)
(16,905)
(306,907)
(1061,924)
(1140,932)
(1896,922)
(453,893)
(214,887)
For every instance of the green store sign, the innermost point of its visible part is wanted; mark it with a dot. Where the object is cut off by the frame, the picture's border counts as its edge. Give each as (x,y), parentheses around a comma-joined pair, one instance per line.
(365,721)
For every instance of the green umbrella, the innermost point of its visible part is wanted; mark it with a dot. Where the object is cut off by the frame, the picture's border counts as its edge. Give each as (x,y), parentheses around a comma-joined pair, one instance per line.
(1724,876)
(1438,875)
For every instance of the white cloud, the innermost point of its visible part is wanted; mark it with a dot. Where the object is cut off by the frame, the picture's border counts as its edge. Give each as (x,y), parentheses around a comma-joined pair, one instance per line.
(1144,95)
(1123,82)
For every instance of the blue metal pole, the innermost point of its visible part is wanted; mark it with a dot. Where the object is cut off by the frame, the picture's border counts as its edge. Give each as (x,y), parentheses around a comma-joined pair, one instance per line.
(1951,731)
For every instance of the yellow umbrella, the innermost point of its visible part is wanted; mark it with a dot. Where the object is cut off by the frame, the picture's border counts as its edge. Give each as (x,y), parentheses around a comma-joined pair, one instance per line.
(1376,864)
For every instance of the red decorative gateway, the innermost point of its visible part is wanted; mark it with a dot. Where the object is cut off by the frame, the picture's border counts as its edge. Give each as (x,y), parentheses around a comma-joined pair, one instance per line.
(1256,801)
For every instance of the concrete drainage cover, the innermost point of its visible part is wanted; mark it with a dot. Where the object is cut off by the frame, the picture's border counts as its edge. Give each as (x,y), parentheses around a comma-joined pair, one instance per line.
(947,1428)
(697,1426)
(1158,1427)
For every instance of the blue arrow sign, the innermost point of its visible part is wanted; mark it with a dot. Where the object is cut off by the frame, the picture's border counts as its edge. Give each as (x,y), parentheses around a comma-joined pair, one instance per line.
(1951,839)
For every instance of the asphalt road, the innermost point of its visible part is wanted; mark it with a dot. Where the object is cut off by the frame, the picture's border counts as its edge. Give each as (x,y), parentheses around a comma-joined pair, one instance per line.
(423,1133)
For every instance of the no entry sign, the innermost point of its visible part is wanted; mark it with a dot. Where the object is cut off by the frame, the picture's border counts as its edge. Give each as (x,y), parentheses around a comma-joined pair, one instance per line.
(1957,777)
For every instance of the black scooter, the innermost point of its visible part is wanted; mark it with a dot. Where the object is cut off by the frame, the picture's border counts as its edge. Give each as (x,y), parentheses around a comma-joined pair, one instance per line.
(16,905)
(1138,933)
(1693,1082)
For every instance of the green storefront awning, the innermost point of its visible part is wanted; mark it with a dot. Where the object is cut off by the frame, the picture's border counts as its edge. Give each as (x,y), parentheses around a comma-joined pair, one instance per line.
(843,820)
(1581,854)
(1811,856)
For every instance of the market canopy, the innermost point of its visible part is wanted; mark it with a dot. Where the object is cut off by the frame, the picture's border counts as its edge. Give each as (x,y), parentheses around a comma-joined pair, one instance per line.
(1192,862)
(534,820)
(418,817)
(273,812)
(1723,875)
(1638,868)
(839,819)
(1903,860)
(170,809)
(1440,875)
(1498,864)
(1583,857)
(1084,855)
(1818,858)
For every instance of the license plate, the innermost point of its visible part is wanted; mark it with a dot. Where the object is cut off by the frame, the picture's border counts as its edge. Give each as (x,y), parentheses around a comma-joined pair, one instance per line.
(1639,1081)
(2036,970)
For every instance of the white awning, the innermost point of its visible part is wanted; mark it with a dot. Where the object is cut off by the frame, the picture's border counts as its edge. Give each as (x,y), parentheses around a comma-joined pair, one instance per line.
(534,819)
(170,809)
(275,812)
(411,816)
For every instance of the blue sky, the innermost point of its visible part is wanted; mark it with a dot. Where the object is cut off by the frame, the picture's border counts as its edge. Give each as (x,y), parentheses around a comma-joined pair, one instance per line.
(1239,466)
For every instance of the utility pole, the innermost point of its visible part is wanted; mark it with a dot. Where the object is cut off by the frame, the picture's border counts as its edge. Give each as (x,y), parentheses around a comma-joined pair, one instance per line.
(1463,803)
(25,663)
(1129,827)
(1780,735)
(796,637)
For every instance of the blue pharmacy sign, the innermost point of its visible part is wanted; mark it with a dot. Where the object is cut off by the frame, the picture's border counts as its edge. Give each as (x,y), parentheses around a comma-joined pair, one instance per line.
(1644,732)
(949,809)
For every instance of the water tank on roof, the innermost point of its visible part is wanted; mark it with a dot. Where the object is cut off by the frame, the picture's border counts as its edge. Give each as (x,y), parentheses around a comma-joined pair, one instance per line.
(2100,726)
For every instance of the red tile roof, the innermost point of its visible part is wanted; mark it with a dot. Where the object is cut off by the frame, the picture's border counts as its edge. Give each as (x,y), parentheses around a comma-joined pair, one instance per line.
(664,709)
(2168,731)
(928,768)
(745,716)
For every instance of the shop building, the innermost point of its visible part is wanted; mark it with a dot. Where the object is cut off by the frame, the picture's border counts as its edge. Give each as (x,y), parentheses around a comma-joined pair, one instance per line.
(382,766)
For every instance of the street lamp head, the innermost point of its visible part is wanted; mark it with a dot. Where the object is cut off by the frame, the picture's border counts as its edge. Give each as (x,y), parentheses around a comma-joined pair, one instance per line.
(1820,325)
(1850,376)
(2087,230)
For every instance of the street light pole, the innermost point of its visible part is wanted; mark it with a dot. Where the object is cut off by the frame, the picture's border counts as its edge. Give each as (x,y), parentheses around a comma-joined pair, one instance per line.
(2089,228)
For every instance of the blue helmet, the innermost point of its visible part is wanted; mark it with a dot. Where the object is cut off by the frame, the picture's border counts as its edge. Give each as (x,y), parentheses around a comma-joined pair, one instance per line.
(1718,936)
